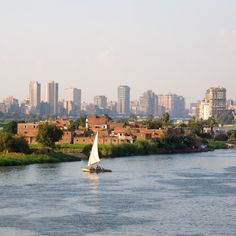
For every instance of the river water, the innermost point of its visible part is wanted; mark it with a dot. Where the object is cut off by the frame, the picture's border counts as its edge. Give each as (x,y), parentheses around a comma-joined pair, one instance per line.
(181,194)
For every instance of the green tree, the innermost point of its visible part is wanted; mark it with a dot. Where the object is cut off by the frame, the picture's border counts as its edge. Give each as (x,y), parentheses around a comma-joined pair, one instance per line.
(5,141)
(10,143)
(154,124)
(125,123)
(211,123)
(48,134)
(196,126)
(75,124)
(165,118)
(221,137)
(19,144)
(231,134)
(11,127)
(225,118)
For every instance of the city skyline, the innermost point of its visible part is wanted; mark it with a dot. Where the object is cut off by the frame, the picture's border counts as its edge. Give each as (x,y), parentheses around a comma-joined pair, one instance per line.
(214,104)
(180,46)
(62,96)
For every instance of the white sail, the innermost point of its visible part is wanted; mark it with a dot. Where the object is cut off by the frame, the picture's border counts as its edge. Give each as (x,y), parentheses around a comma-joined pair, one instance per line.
(94,157)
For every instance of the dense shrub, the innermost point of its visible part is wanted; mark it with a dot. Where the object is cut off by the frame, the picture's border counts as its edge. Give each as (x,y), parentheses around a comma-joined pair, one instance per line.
(221,137)
(26,159)
(19,144)
(231,134)
(49,134)
(10,143)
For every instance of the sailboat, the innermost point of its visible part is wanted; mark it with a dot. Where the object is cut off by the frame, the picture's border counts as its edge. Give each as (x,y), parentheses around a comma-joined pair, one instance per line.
(94,159)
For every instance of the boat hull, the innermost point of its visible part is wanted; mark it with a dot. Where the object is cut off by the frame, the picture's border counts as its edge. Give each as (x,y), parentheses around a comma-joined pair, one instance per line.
(94,170)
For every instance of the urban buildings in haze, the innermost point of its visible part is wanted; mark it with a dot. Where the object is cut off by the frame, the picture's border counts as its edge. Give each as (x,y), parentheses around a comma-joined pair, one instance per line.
(123,103)
(213,104)
(173,104)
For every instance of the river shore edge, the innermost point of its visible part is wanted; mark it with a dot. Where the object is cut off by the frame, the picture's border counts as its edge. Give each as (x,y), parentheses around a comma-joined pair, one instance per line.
(63,154)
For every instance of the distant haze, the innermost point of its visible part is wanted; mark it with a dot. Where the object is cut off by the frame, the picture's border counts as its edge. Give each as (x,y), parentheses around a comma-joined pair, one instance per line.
(177,46)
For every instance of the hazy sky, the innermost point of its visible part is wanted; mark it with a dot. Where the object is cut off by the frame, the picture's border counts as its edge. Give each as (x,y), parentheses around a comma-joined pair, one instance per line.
(179,46)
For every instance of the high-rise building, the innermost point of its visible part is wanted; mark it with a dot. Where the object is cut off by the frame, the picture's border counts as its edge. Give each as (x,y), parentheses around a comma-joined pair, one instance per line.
(213,104)
(193,109)
(148,103)
(2,107)
(11,105)
(123,107)
(112,106)
(72,101)
(216,97)
(173,104)
(203,110)
(135,107)
(73,95)
(100,101)
(51,97)
(34,96)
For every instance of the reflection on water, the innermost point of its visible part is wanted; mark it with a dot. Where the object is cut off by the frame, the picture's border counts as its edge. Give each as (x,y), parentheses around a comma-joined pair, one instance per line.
(190,194)
(94,181)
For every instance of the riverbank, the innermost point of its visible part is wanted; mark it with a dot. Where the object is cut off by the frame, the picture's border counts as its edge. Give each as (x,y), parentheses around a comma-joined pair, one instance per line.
(74,152)
(17,159)
(213,145)
(141,148)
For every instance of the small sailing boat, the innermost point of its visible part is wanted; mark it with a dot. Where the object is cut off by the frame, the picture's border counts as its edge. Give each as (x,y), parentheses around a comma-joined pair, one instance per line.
(94,159)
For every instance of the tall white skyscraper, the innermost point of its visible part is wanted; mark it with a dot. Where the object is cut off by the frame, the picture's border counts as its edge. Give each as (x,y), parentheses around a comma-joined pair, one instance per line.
(34,95)
(51,97)
(123,107)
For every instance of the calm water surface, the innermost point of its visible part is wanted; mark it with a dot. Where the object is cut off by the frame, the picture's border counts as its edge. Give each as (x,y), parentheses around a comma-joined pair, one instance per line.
(190,194)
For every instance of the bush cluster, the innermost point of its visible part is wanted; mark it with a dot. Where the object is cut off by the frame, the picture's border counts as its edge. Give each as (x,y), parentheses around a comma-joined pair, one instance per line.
(11,143)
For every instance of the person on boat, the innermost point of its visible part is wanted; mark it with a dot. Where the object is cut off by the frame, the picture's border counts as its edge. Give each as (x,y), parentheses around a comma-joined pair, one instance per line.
(98,167)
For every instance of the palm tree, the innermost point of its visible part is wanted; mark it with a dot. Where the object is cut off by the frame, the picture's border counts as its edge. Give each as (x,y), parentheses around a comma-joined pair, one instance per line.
(211,123)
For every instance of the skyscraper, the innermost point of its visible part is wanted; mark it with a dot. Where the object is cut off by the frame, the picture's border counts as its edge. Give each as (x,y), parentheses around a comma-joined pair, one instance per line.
(34,96)
(216,97)
(123,107)
(72,102)
(100,101)
(173,104)
(148,103)
(51,97)
(73,95)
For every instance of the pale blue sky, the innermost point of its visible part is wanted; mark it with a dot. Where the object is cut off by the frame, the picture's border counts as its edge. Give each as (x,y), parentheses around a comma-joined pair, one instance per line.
(179,46)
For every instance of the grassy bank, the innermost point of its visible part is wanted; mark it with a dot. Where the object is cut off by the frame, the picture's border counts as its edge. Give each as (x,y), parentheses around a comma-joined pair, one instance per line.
(145,147)
(212,145)
(60,146)
(138,148)
(16,159)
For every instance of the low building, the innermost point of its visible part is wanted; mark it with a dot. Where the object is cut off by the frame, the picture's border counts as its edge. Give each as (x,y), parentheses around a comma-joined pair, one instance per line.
(29,131)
